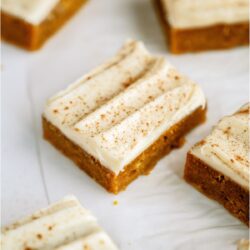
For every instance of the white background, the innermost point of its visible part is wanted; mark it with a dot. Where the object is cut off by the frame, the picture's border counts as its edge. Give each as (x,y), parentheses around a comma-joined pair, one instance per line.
(156,212)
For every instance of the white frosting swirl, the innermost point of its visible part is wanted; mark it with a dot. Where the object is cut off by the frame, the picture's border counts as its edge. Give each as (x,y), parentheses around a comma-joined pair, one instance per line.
(201,13)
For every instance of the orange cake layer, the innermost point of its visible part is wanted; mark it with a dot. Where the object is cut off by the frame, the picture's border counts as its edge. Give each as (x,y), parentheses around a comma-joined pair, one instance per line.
(218,166)
(143,164)
(219,187)
(117,121)
(214,37)
(32,36)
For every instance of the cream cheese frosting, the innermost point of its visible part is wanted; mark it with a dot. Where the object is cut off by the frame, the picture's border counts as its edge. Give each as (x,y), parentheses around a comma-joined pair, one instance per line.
(226,149)
(65,225)
(200,13)
(32,11)
(121,108)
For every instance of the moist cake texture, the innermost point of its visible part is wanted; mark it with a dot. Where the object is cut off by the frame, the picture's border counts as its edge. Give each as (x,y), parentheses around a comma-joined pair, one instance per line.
(219,165)
(65,225)
(118,111)
(194,25)
(29,24)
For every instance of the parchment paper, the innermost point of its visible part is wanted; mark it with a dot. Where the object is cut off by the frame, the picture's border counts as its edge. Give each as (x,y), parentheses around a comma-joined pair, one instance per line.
(156,212)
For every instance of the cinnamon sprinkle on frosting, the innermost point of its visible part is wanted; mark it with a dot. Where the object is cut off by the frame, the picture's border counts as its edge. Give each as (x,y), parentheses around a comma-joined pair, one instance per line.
(118,110)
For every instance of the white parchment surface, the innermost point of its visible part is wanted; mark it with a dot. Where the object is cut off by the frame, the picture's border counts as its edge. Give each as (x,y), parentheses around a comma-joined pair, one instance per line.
(156,212)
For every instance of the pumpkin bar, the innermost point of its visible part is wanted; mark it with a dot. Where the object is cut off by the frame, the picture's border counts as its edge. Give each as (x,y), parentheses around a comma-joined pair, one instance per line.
(218,166)
(29,23)
(117,121)
(192,26)
(64,225)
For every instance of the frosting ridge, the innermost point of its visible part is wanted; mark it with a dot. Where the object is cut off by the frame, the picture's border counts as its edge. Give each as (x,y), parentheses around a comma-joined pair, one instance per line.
(64,225)
(117,112)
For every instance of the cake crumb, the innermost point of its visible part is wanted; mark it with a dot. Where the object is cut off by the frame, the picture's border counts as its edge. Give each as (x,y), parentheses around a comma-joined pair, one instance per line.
(86,247)
(115,202)
(39,236)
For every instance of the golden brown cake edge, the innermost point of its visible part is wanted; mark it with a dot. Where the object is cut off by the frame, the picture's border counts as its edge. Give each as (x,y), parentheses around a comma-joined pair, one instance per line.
(143,164)
(217,186)
(214,37)
(32,37)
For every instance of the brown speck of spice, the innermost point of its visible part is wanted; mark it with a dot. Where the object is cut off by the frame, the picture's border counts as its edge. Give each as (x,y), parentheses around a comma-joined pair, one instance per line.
(227,130)
(176,77)
(39,236)
(34,217)
(55,111)
(50,228)
(238,158)
(201,143)
(66,108)
(128,82)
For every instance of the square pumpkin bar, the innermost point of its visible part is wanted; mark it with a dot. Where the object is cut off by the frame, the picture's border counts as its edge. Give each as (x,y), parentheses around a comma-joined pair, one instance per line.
(197,25)
(117,121)
(64,225)
(218,166)
(29,23)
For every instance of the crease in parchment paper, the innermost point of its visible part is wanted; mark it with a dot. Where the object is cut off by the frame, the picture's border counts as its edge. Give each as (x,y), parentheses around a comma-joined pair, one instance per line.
(38,152)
